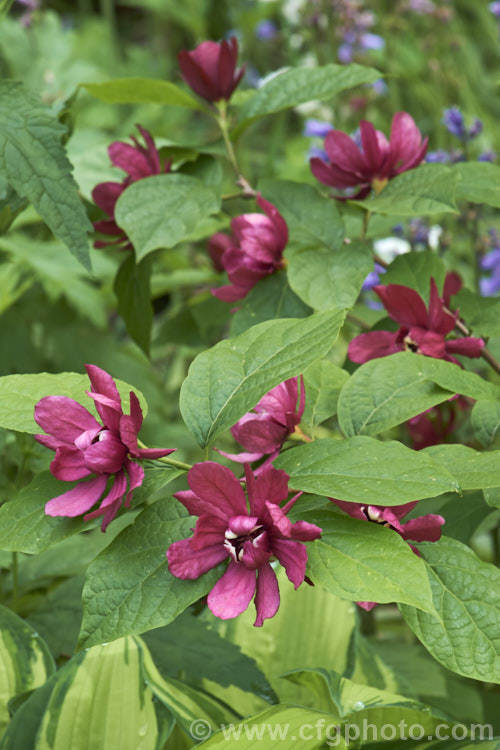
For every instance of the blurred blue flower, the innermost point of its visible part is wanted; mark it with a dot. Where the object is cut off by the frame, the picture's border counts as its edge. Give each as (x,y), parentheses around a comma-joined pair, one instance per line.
(380,87)
(316,128)
(487,156)
(316,151)
(475,128)
(266,30)
(438,157)
(495,8)
(344,53)
(453,120)
(373,278)
(371,41)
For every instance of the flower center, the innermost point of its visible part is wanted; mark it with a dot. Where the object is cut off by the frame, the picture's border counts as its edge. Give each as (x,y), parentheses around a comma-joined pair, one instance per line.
(234,543)
(375,516)
(410,345)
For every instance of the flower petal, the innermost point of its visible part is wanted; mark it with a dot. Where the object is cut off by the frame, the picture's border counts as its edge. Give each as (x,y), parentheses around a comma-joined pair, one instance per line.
(103,384)
(293,556)
(64,418)
(403,304)
(267,598)
(232,594)
(68,464)
(218,485)
(188,563)
(372,345)
(424,529)
(78,500)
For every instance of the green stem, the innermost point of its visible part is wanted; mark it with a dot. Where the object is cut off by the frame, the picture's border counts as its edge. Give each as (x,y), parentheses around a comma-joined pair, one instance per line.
(206,453)
(109,14)
(248,191)
(169,461)
(15,580)
(364,227)
(5,6)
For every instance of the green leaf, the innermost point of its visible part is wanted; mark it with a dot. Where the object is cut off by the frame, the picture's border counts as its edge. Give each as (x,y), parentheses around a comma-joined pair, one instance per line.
(471,469)
(34,162)
(361,469)
(462,631)
(416,270)
(24,527)
(142,90)
(98,694)
(298,85)
(387,391)
(59,616)
(311,217)
(25,660)
(129,588)
(163,210)
(281,722)
(363,561)
(479,182)
(323,382)
(324,278)
(270,299)
(424,191)
(133,289)
(485,420)
(226,381)
(482,314)
(20,393)
(188,647)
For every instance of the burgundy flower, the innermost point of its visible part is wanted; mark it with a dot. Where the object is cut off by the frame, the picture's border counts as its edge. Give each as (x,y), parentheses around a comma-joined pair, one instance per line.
(435,425)
(276,416)
(249,536)
(254,250)
(210,69)
(84,447)
(138,162)
(421,330)
(423,529)
(377,161)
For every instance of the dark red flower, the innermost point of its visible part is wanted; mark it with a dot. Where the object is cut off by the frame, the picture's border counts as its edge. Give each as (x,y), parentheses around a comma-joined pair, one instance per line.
(138,162)
(435,425)
(377,161)
(254,250)
(423,529)
(210,69)
(421,330)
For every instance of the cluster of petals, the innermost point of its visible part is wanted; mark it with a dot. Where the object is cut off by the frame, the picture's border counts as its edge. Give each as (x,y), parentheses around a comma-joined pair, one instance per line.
(377,161)
(263,431)
(254,250)
(422,330)
(250,536)
(423,529)
(210,69)
(84,447)
(137,161)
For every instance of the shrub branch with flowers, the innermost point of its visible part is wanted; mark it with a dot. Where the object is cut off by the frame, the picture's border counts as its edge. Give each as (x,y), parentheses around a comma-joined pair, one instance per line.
(335,478)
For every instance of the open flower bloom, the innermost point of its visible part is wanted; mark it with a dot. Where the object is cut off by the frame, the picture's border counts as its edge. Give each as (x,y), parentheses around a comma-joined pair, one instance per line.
(276,416)
(423,529)
(421,330)
(377,161)
(138,162)
(255,250)
(250,537)
(210,69)
(85,447)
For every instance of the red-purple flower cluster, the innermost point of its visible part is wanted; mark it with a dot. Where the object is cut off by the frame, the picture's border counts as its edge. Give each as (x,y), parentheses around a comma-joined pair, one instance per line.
(254,250)
(84,447)
(210,69)
(421,329)
(249,536)
(377,161)
(137,161)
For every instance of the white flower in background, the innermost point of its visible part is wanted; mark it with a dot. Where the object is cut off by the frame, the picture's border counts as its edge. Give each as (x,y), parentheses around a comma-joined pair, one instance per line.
(390,247)
(435,233)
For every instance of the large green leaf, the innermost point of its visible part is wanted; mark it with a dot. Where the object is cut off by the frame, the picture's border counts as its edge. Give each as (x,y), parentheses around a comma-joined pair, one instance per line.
(20,393)
(471,469)
(298,85)
(363,561)
(387,391)
(142,90)
(481,314)
(312,219)
(226,381)
(271,298)
(485,419)
(462,631)
(325,278)
(133,290)
(163,210)
(416,270)
(361,469)
(34,162)
(129,588)
(99,698)
(426,190)
(25,661)
(323,382)
(479,182)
